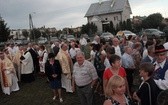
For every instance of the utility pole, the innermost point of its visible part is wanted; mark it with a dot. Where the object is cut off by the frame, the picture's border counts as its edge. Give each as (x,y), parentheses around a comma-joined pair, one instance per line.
(31,26)
(0,17)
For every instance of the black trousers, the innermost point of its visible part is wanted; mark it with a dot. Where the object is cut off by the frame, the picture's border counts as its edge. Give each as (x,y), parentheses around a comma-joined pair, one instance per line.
(129,77)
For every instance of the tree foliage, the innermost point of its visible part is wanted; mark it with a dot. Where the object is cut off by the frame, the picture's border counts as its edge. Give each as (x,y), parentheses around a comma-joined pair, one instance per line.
(35,34)
(129,25)
(112,29)
(125,25)
(152,21)
(25,33)
(4,31)
(89,29)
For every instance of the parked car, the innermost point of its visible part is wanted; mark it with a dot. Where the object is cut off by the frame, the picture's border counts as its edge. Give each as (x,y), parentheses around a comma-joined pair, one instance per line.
(153,33)
(25,41)
(70,38)
(21,41)
(2,44)
(18,41)
(62,37)
(125,33)
(66,37)
(54,39)
(42,40)
(85,36)
(106,36)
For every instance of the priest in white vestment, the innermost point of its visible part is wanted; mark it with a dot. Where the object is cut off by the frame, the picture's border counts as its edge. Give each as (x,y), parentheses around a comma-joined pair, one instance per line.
(9,81)
(17,63)
(27,67)
(66,64)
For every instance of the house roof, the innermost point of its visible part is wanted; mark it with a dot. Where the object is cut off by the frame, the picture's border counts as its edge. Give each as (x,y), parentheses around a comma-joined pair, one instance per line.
(106,7)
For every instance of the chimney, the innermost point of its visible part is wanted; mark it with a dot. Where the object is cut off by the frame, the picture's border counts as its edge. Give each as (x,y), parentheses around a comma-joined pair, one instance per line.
(100,1)
(112,4)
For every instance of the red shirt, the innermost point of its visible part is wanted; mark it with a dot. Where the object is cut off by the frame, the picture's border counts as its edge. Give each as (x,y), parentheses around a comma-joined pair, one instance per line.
(108,73)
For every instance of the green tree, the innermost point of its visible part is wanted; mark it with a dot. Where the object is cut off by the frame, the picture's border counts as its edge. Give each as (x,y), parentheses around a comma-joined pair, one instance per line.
(124,25)
(137,27)
(43,34)
(59,32)
(25,33)
(112,29)
(129,25)
(35,34)
(93,28)
(70,31)
(166,32)
(152,21)
(162,26)
(84,29)
(89,28)
(47,34)
(120,26)
(4,31)
(117,28)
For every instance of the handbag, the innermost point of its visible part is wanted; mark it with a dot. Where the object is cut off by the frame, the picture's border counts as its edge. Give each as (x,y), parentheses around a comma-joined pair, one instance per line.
(150,98)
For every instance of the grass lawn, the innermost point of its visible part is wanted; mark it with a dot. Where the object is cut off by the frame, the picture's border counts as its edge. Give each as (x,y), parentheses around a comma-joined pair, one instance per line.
(39,93)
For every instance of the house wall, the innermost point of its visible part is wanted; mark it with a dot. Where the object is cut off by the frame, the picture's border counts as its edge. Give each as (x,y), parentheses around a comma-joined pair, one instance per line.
(97,22)
(125,15)
(115,18)
(16,34)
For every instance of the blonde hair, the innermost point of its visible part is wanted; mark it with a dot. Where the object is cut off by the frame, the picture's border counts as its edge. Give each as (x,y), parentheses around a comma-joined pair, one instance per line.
(113,83)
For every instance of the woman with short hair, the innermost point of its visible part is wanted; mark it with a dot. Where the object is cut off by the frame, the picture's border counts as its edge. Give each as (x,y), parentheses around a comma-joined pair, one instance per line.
(53,72)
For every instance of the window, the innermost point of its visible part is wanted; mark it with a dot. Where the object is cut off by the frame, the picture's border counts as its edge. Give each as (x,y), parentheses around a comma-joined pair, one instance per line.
(116,17)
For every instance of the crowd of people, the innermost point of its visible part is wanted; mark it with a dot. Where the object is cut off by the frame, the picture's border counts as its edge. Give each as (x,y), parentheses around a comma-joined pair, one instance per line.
(112,69)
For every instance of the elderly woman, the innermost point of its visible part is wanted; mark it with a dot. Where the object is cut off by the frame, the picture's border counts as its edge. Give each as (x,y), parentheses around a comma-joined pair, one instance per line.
(115,91)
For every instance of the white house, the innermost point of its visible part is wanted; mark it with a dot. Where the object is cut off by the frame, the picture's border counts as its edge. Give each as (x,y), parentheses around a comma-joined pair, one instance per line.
(17,34)
(103,12)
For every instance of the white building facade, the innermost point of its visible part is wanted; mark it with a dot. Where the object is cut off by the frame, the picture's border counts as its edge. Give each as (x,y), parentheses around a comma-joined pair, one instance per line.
(108,11)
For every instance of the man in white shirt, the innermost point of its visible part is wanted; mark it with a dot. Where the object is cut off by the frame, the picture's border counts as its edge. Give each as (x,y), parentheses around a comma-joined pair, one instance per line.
(83,43)
(116,46)
(84,77)
(73,52)
(128,64)
(96,40)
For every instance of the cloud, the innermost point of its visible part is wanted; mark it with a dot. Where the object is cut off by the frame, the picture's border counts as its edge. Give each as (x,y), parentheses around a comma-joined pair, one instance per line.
(16,12)
(54,13)
(139,3)
(147,7)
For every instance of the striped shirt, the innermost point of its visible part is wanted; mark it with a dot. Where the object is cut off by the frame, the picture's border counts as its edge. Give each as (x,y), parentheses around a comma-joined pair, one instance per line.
(84,74)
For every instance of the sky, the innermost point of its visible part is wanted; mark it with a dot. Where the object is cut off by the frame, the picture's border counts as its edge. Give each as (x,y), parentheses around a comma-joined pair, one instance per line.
(65,13)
